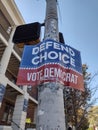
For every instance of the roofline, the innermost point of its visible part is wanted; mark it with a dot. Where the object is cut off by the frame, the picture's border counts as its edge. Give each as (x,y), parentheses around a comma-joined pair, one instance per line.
(14,13)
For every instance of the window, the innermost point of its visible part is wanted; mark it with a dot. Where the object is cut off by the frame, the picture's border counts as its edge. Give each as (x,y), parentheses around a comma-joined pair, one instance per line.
(8,112)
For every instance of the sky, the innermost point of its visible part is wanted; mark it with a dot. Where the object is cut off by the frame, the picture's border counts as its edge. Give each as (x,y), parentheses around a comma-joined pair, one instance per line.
(78,21)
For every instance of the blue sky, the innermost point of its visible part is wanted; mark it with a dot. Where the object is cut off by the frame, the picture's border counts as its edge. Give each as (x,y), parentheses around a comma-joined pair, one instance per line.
(78,21)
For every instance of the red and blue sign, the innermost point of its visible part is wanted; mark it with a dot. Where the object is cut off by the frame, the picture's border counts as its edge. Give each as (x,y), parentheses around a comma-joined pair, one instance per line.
(2,92)
(51,61)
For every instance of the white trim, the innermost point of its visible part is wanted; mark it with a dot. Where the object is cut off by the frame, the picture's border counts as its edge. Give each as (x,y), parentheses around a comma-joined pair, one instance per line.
(21,91)
(15,16)
(15,87)
(33,100)
(16,55)
(3,39)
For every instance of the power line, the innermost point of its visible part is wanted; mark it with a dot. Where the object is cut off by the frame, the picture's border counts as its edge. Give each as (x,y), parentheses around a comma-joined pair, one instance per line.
(59,11)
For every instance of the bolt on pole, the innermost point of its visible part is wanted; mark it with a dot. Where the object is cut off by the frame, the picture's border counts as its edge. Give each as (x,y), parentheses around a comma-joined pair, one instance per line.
(50,115)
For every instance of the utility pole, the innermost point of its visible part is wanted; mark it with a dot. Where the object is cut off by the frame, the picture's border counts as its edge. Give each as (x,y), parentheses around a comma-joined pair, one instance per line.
(50,115)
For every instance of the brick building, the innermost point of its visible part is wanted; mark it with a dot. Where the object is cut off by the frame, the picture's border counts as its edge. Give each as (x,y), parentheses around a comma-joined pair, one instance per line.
(17,103)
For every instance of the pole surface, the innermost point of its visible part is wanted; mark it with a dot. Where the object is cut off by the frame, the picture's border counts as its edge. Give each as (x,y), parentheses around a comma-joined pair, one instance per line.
(50,115)
(51,21)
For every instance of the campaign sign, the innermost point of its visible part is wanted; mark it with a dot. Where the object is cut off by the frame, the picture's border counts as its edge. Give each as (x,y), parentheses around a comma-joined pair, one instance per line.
(25,105)
(51,61)
(2,92)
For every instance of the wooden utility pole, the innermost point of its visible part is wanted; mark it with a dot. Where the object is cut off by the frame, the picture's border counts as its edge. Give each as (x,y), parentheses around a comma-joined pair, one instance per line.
(50,115)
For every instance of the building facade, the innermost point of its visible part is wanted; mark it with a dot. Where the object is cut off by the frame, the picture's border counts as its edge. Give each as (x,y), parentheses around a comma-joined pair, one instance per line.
(18,104)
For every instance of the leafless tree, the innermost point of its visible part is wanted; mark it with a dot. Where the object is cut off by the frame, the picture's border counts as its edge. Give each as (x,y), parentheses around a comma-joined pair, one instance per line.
(77,102)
